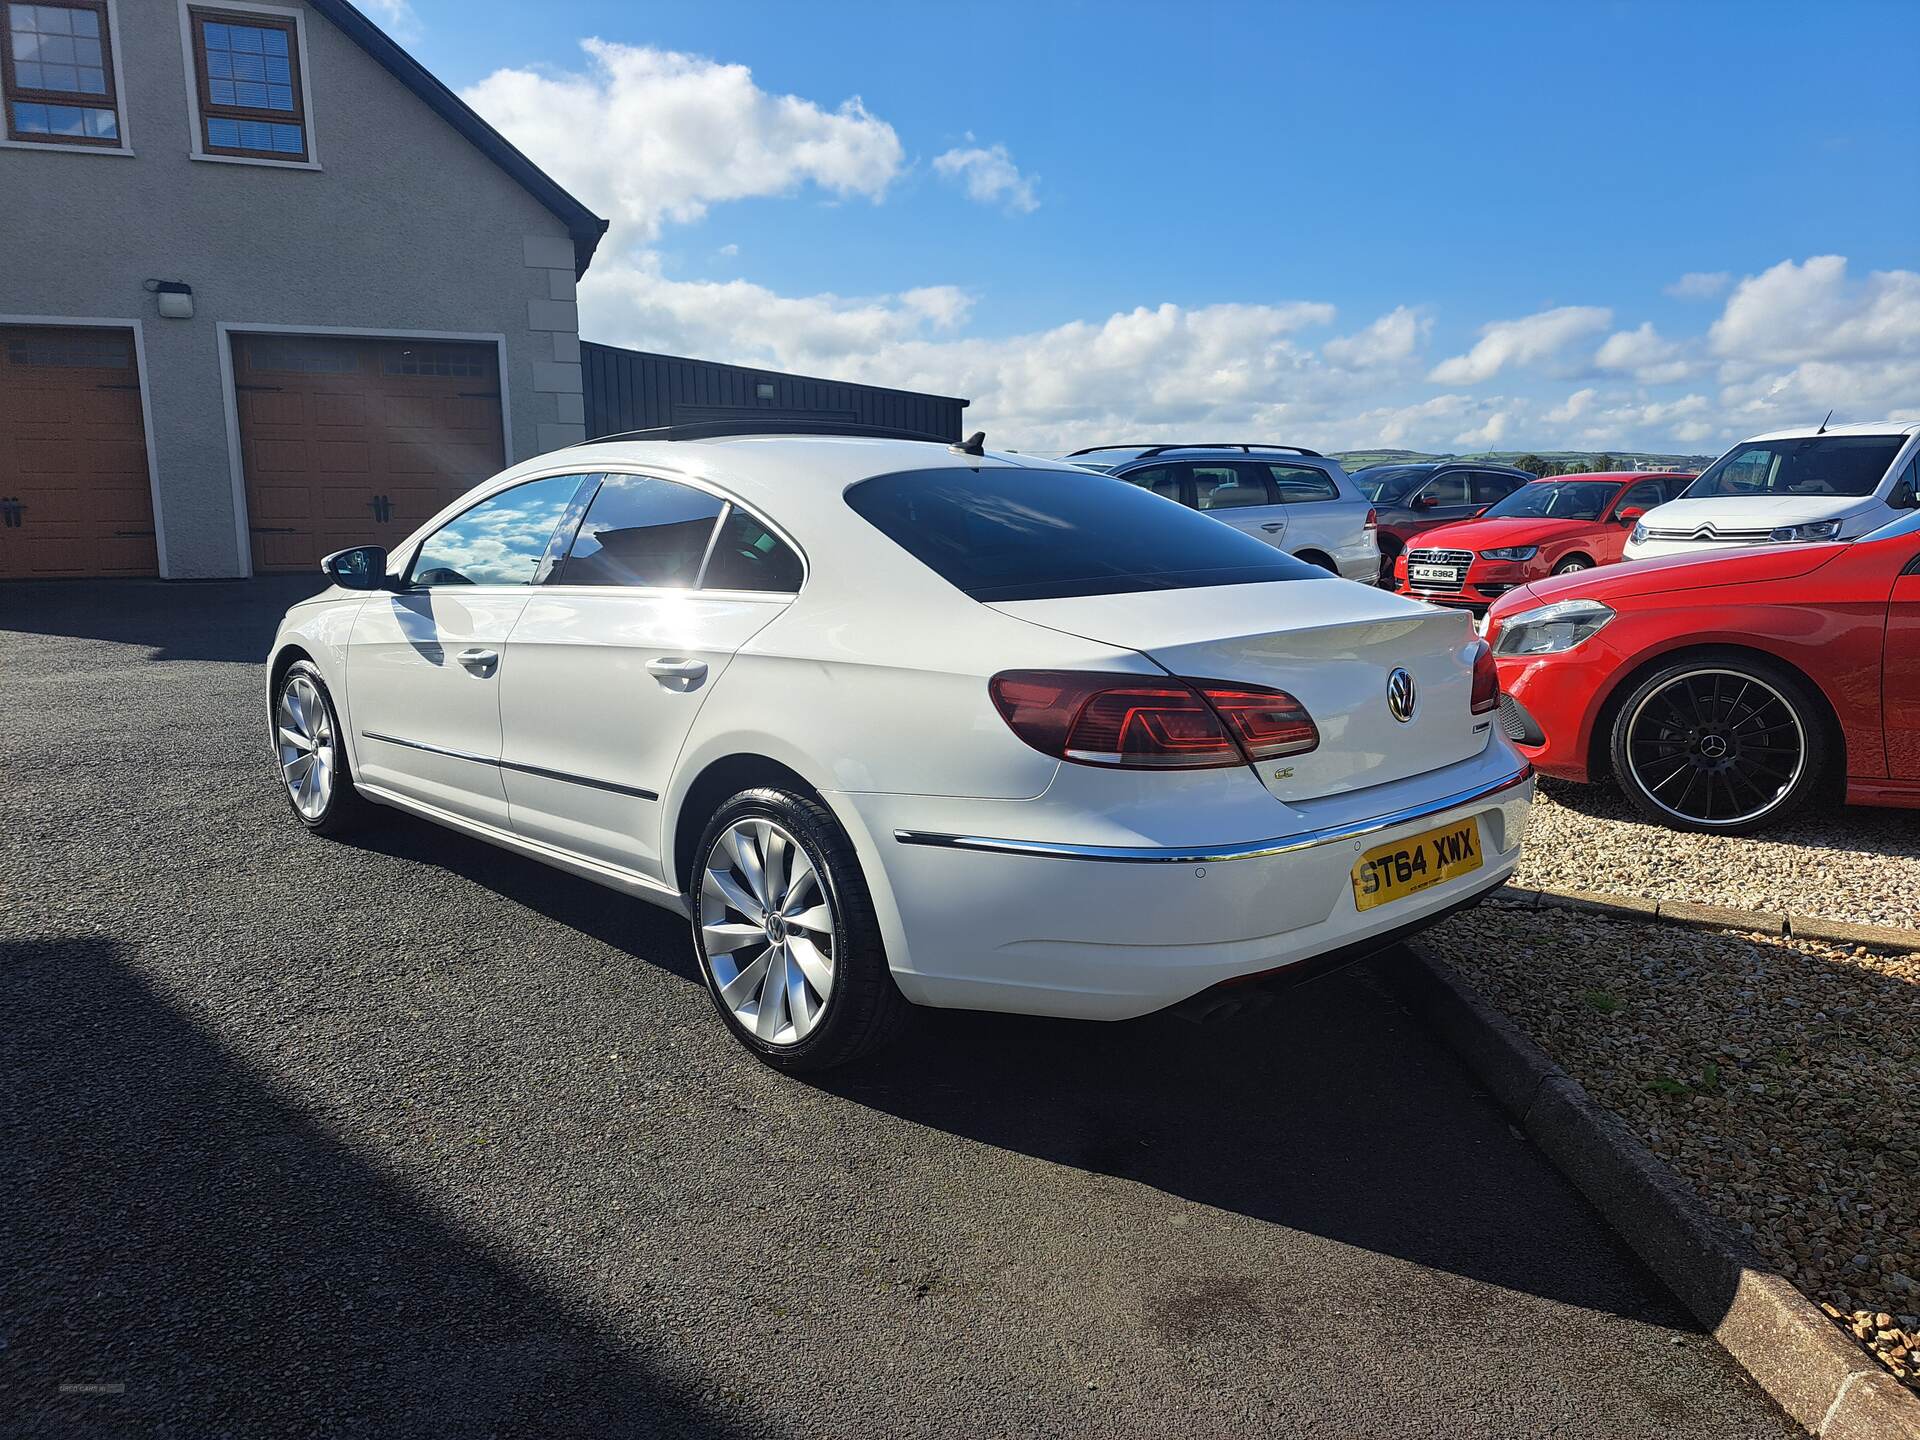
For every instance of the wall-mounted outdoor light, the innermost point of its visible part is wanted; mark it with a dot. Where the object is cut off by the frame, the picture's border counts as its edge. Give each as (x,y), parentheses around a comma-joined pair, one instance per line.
(175,298)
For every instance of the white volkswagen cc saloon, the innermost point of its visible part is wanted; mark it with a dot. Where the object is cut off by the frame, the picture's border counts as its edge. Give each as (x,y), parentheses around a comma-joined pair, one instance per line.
(897,722)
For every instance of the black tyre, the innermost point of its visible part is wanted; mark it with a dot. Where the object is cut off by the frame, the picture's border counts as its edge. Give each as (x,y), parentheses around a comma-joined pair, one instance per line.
(1314,557)
(310,748)
(1722,744)
(1573,565)
(784,927)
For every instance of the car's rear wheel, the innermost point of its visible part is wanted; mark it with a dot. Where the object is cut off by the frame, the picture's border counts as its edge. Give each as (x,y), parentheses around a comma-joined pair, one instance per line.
(1573,565)
(1719,744)
(311,751)
(784,927)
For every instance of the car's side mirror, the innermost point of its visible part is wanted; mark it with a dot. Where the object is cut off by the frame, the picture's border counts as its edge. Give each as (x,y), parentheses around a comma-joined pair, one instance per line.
(362,568)
(1903,497)
(1424,502)
(1627,515)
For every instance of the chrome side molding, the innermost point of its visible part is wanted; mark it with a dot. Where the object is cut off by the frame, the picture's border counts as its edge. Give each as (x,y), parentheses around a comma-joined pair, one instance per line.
(1210,854)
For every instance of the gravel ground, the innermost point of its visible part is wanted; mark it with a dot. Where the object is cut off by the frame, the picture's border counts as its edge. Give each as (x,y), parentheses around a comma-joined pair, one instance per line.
(1842,863)
(413,1137)
(1780,1077)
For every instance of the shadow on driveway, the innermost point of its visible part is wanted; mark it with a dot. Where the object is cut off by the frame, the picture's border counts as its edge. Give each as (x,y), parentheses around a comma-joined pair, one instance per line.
(227,620)
(243,1271)
(1331,1112)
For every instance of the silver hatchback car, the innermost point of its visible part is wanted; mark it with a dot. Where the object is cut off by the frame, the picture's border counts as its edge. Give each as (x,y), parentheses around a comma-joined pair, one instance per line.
(1296,500)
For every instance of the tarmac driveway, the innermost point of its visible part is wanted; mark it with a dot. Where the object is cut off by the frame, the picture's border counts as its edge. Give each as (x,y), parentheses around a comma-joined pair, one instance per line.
(410,1136)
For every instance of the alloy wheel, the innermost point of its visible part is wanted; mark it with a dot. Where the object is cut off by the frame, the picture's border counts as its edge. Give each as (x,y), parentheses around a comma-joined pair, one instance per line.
(305,743)
(767,927)
(1716,747)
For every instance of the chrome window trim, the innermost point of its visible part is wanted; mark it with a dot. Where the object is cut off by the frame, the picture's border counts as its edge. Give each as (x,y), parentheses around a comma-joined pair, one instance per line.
(1210,854)
(410,546)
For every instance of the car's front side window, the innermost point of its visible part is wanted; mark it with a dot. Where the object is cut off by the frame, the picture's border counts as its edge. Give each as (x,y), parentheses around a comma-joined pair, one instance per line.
(642,531)
(501,541)
(1644,496)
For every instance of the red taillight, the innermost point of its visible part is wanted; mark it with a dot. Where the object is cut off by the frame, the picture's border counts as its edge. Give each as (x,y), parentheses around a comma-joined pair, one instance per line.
(1137,723)
(1486,680)
(1265,722)
(1373,521)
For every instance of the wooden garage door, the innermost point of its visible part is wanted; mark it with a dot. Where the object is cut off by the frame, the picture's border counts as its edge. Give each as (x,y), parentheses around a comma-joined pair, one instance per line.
(355,442)
(74,498)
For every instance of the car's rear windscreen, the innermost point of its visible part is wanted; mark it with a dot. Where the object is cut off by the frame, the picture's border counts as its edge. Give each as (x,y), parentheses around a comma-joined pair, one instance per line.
(1000,533)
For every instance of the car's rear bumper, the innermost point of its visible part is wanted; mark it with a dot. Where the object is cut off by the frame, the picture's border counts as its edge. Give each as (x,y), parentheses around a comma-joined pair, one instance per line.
(979,918)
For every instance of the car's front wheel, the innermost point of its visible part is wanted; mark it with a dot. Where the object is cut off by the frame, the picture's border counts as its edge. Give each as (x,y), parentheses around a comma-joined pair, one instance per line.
(1719,744)
(1573,565)
(311,751)
(784,927)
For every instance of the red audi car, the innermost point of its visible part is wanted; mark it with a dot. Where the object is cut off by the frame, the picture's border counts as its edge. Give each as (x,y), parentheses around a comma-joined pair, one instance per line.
(1546,527)
(1723,690)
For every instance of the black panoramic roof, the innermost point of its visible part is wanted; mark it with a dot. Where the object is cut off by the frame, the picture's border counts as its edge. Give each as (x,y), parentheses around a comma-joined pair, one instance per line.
(582,224)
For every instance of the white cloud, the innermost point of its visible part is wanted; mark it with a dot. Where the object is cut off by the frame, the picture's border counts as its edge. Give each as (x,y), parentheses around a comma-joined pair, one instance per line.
(990,177)
(1812,311)
(653,138)
(1573,407)
(1804,337)
(1151,371)
(1526,341)
(1487,434)
(1700,285)
(1644,355)
(647,136)
(396,17)
(1387,341)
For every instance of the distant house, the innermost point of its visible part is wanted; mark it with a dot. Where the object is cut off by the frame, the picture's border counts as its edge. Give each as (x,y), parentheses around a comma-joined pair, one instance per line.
(267,288)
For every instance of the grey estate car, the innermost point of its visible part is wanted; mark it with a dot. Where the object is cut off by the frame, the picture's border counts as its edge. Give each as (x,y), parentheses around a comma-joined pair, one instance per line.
(1297,500)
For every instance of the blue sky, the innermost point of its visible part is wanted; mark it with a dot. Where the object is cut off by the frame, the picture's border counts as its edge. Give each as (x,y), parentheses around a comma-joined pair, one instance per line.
(1338,224)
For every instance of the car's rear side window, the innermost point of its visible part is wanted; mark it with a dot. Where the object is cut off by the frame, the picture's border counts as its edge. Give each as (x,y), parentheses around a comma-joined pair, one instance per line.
(642,531)
(1302,484)
(1017,534)
(749,556)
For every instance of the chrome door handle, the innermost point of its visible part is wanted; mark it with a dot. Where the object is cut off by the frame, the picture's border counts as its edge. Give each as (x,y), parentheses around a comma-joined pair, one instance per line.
(1274,527)
(480,662)
(669,667)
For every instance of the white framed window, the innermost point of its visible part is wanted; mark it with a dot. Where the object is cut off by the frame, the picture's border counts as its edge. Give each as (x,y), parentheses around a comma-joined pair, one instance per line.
(249,97)
(60,83)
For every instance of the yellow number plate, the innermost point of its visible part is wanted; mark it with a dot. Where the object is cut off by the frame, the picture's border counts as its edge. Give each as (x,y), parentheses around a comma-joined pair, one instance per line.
(1406,867)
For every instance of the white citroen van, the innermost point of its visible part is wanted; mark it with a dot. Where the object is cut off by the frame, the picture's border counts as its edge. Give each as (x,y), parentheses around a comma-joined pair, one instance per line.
(1834,483)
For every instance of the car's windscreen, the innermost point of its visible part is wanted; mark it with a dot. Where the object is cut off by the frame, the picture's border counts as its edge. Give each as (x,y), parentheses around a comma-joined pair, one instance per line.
(1575,500)
(1015,534)
(1384,484)
(1814,465)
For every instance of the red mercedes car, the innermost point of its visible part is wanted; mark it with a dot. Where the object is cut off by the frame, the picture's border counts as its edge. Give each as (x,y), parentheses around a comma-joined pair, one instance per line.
(1546,527)
(1723,690)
